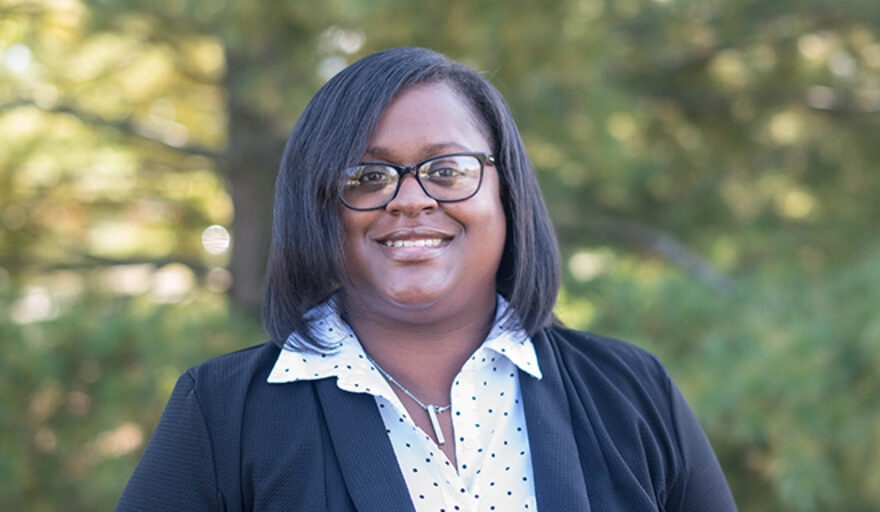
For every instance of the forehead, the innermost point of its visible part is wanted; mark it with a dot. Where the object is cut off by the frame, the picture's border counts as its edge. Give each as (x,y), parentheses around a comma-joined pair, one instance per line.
(426,120)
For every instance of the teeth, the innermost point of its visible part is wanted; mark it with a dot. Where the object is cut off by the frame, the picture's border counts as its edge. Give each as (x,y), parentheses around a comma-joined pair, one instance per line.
(432,242)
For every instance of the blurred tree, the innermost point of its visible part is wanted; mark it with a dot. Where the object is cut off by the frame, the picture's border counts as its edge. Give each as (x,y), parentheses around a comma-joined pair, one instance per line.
(196,86)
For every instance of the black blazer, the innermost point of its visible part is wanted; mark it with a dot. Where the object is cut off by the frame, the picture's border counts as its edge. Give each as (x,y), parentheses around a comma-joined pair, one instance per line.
(608,431)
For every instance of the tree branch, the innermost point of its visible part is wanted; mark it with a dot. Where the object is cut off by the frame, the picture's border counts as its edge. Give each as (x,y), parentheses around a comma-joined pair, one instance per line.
(87,262)
(22,8)
(125,126)
(662,244)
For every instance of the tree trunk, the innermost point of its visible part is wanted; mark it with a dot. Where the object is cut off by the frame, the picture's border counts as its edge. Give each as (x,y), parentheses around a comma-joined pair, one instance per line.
(251,164)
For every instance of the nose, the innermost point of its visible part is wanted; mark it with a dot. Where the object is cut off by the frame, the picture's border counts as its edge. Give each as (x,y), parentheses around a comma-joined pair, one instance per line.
(411,199)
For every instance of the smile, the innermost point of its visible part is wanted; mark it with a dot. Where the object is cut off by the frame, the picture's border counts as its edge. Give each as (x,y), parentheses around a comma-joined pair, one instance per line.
(423,242)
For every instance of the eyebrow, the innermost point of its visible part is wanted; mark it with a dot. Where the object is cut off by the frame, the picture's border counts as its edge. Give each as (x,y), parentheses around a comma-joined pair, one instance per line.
(426,151)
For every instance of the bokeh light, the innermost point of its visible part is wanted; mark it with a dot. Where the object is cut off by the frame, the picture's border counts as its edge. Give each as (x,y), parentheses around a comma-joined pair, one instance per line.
(216,239)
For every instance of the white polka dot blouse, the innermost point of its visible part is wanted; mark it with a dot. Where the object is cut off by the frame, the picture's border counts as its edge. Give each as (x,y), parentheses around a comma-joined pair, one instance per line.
(494,470)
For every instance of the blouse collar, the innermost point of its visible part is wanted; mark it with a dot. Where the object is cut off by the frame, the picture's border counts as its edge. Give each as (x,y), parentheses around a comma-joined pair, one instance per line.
(349,364)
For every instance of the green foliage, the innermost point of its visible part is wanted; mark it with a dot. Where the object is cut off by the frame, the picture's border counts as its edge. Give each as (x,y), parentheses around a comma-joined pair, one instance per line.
(783,373)
(83,391)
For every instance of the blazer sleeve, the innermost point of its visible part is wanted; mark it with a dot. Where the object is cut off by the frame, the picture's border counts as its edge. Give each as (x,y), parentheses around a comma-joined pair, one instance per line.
(700,485)
(177,470)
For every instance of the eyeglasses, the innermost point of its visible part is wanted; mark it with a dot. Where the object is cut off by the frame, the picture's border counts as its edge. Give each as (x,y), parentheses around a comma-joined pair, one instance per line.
(445,178)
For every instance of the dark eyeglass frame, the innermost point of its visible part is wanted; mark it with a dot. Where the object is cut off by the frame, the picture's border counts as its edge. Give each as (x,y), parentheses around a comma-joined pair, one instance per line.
(403,170)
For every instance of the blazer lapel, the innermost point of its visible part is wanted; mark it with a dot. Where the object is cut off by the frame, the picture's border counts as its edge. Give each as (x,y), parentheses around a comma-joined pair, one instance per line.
(559,477)
(366,458)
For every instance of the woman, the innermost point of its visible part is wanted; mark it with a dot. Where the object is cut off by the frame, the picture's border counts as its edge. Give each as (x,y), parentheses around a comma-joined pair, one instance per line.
(416,364)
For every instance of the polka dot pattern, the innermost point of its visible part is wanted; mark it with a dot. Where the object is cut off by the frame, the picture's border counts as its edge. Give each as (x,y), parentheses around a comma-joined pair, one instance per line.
(494,462)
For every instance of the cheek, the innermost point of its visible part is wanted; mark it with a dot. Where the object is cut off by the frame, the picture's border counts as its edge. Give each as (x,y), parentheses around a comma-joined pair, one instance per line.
(490,224)
(353,238)
(492,214)
(355,224)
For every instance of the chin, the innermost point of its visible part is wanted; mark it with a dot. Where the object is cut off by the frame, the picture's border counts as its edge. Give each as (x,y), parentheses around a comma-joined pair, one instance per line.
(414,299)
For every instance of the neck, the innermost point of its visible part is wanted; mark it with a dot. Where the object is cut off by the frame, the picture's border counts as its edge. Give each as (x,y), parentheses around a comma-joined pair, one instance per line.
(424,357)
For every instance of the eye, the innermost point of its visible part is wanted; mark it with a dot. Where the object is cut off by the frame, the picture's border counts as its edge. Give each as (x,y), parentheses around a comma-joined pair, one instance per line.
(443,172)
(370,177)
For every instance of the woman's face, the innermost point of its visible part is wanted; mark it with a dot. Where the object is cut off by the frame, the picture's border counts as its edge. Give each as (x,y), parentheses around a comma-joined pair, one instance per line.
(453,270)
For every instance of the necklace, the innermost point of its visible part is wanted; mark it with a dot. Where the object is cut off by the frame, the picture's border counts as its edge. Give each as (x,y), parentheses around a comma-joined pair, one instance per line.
(432,410)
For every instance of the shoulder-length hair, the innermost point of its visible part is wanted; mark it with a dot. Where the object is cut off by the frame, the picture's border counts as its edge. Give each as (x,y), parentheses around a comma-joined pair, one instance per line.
(306,263)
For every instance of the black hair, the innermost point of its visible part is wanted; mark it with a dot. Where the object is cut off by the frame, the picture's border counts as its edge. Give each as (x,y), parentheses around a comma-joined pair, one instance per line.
(306,264)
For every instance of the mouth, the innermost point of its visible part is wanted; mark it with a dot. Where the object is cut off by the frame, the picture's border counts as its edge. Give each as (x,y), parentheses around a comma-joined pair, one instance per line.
(414,240)
(418,242)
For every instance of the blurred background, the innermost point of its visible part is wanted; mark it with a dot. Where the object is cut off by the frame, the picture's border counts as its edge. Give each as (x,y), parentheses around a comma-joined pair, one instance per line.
(711,168)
